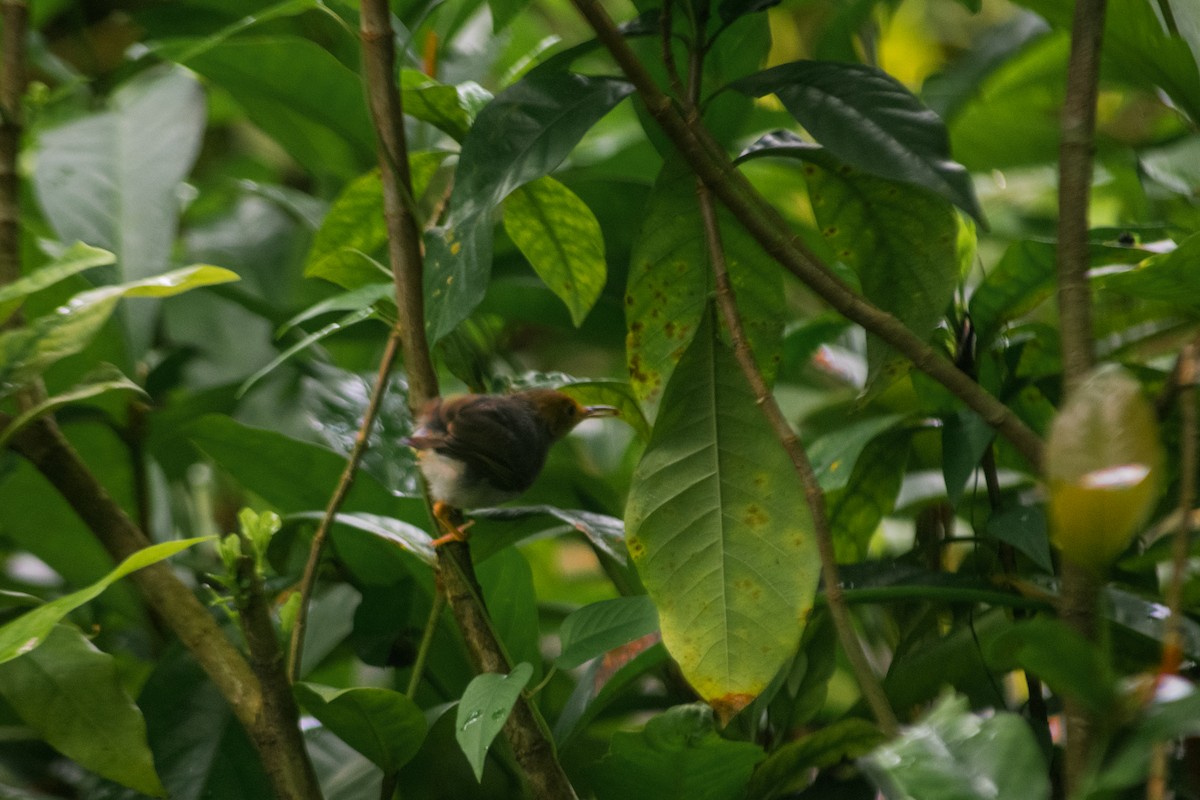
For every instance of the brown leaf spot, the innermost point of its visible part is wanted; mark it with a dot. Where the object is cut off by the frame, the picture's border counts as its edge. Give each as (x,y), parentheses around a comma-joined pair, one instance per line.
(755,516)
(727,706)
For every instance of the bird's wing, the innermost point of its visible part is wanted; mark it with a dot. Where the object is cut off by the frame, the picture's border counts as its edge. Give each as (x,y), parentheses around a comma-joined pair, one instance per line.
(496,440)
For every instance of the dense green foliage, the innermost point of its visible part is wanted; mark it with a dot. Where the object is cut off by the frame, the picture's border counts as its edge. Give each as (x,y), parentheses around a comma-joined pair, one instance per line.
(206,294)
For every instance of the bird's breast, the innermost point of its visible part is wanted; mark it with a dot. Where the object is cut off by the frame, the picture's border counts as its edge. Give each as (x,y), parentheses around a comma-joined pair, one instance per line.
(452,481)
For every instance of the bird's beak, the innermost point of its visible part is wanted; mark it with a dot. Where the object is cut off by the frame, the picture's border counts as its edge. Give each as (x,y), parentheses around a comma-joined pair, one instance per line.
(600,411)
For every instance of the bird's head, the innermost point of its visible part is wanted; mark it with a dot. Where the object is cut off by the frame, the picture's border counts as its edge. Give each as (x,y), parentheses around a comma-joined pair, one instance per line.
(561,413)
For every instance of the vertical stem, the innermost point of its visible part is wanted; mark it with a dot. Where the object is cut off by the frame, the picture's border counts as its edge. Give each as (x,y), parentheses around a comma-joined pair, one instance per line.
(1080,585)
(12,91)
(524,729)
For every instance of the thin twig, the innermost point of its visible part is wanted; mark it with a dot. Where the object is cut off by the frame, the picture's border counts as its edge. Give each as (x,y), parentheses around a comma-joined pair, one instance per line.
(12,93)
(418,669)
(868,683)
(1172,657)
(361,440)
(1079,605)
(774,235)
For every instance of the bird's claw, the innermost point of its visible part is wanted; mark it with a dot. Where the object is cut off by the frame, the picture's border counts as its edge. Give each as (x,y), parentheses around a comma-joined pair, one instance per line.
(450,520)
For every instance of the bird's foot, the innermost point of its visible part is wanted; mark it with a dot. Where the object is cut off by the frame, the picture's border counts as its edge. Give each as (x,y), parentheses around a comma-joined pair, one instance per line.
(451,521)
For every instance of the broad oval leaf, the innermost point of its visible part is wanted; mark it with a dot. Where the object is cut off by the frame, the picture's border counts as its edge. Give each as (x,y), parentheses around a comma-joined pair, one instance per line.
(1103,467)
(382,724)
(719,530)
(485,705)
(29,630)
(869,120)
(71,694)
(561,237)
(670,280)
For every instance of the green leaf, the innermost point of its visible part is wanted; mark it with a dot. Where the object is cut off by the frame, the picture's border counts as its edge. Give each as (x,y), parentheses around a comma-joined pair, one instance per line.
(953,754)
(105,378)
(354,230)
(789,769)
(508,595)
(597,628)
(406,536)
(200,749)
(1024,527)
(289,474)
(1069,664)
(856,510)
(337,326)
(353,300)
(965,438)
(601,686)
(870,121)
(834,454)
(560,236)
(71,694)
(436,103)
(75,259)
(901,241)
(670,281)
(382,724)
(719,531)
(111,178)
(679,754)
(1171,278)
(25,353)
(525,132)
(298,94)
(1020,280)
(522,135)
(483,710)
(29,630)
(611,393)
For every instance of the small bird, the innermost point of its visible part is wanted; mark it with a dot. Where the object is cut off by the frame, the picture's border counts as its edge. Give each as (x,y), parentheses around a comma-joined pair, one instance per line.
(483,449)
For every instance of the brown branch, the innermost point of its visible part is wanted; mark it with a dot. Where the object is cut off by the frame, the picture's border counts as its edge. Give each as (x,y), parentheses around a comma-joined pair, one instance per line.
(361,440)
(773,234)
(524,729)
(12,92)
(868,683)
(262,644)
(1080,586)
(275,734)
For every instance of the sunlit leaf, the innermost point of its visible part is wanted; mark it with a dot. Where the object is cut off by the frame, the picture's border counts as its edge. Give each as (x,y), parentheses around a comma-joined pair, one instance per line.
(75,259)
(29,630)
(26,352)
(717,525)
(561,238)
(105,378)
